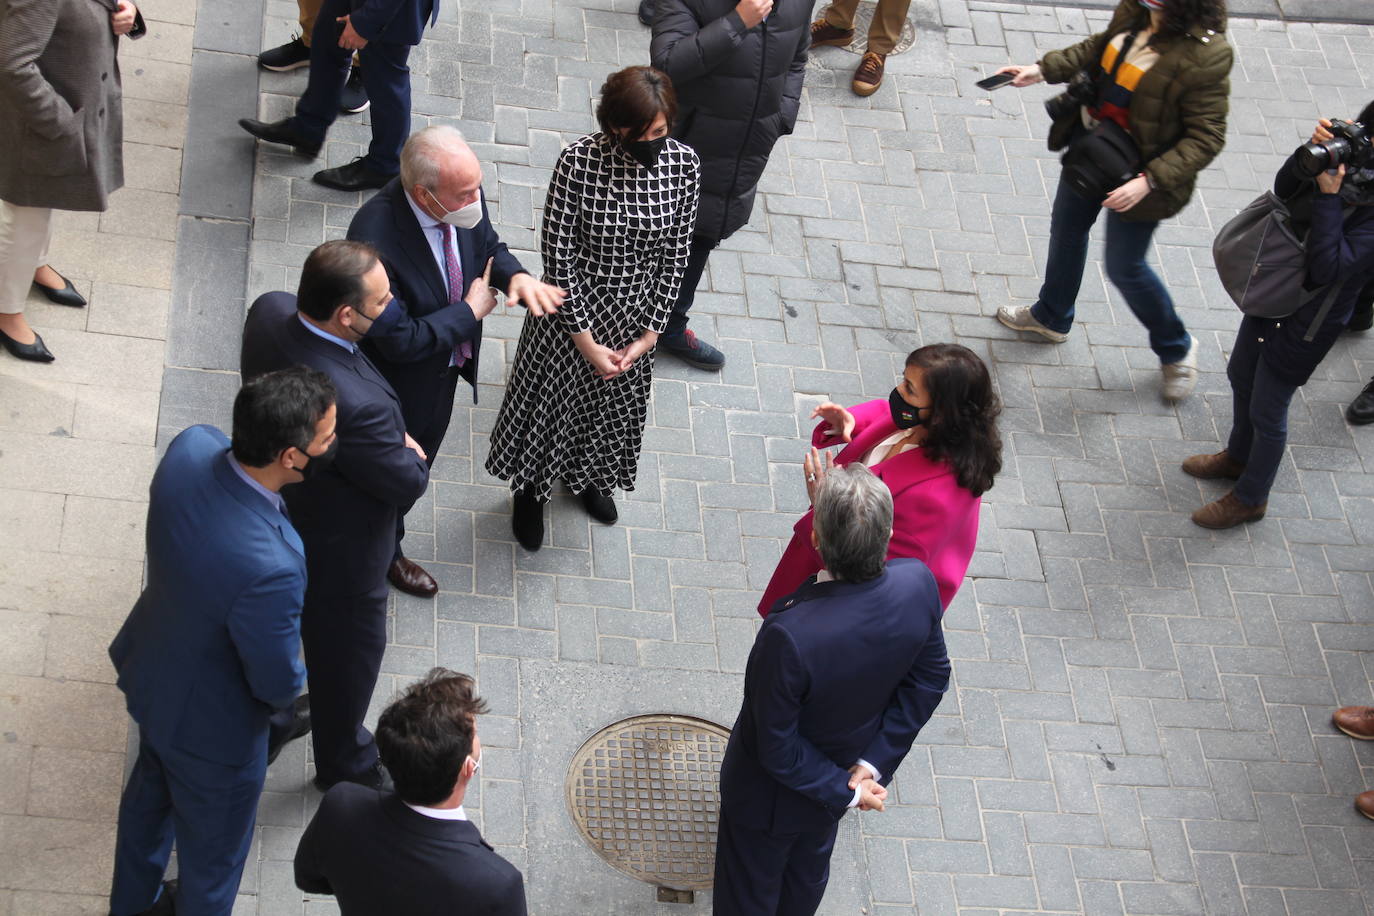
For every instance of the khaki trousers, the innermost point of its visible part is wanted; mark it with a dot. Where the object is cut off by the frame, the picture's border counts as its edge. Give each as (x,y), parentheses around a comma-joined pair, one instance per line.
(24,236)
(309,10)
(887,21)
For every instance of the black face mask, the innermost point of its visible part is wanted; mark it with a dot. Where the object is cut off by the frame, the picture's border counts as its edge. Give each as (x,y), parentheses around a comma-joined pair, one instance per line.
(318,463)
(903,414)
(646,152)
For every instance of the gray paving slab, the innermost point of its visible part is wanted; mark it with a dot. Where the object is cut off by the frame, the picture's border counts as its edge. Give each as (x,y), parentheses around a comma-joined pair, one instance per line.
(1139,722)
(217,163)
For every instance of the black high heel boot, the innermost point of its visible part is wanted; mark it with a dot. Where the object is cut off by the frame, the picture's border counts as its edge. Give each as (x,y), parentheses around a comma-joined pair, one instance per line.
(527,519)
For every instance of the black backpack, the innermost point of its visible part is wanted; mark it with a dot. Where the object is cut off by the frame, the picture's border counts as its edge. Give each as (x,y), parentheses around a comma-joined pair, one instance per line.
(1262,263)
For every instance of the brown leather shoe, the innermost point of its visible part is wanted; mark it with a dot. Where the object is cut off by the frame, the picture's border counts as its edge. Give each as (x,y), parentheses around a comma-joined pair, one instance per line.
(1210,467)
(869,76)
(1364,803)
(1228,512)
(407,576)
(823,33)
(1355,721)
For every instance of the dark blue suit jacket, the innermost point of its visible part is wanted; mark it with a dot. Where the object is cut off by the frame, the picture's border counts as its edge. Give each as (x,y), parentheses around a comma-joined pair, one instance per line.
(840,671)
(347,514)
(212,646)
(394,22)
(376,856)
(415,348)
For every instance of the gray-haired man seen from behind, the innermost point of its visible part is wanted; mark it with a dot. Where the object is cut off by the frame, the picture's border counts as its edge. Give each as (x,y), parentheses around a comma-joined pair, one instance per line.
(843,675)
(443,259)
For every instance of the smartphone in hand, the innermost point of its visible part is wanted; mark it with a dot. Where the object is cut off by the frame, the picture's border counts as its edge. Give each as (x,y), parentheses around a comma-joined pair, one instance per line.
(996,81)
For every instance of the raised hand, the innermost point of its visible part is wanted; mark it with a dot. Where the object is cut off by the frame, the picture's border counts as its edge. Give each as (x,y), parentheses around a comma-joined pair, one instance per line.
(840,420)
(480,298)
(814,467)
(540,298)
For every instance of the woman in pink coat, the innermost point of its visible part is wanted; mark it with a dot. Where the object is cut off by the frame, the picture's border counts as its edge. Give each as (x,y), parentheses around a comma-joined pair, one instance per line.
(934,442)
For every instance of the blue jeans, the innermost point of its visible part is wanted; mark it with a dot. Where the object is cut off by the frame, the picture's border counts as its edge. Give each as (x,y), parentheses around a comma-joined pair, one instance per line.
(1127,244)
(386,77)
(1259,415)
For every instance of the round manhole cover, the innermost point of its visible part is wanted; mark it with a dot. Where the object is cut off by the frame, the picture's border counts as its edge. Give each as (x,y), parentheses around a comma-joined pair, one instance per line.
(863,18)
(645,794)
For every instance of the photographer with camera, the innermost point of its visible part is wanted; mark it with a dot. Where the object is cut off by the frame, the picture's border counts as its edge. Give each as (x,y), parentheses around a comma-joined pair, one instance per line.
(1328,187)
(1145,112)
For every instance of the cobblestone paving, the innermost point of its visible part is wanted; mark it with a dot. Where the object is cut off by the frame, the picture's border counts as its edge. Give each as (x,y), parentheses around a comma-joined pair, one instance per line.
(1140,722)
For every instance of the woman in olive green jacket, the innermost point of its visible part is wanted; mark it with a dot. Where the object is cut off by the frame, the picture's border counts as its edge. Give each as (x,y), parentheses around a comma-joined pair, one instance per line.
(1170,94)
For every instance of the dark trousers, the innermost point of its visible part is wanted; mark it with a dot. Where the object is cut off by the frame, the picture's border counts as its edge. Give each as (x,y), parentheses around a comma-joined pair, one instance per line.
(208,808)
(1128,243)
(1259,414)
(429,432)
(386,76)
(344,638)
(687,293)
(767,874)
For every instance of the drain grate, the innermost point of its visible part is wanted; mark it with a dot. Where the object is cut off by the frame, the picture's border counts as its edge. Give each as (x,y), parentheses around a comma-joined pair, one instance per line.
(645,794)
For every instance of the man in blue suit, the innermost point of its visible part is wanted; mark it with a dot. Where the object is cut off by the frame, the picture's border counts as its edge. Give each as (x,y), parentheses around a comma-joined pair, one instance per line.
(212,646)
(346,514)
(382,32)
(444,259)
(844,673)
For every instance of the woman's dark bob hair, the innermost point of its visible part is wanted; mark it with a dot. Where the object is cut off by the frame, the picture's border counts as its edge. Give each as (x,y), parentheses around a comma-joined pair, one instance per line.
(632,98)
(962,427)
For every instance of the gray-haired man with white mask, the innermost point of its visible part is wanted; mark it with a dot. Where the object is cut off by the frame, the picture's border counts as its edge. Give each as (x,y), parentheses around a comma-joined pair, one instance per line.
(444,260)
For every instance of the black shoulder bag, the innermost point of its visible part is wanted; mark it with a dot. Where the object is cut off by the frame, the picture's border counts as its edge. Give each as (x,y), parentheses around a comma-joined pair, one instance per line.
(1104,159)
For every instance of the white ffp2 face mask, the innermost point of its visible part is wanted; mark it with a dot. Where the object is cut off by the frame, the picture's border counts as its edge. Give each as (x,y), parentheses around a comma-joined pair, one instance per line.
(464,217)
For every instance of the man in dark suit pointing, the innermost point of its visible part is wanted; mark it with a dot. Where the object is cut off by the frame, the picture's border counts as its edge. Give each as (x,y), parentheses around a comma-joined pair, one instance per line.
(346,513)
(843,675)
(444,260)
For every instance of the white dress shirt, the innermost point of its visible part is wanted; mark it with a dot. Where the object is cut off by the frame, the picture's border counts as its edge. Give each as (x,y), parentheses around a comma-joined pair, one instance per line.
(439,814)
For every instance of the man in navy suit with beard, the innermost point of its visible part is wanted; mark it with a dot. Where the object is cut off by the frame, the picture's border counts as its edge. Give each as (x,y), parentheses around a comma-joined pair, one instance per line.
(346,514)
(844,673)
(444,261)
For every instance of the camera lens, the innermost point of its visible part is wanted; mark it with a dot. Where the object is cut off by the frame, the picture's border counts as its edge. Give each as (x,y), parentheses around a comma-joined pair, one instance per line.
(1313,158)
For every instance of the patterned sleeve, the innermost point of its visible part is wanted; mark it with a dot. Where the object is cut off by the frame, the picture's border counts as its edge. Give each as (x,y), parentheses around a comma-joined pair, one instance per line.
(559,236)
(677,247)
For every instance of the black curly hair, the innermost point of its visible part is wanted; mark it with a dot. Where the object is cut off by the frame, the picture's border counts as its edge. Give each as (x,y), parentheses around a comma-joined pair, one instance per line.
(962,428)
(1182,16)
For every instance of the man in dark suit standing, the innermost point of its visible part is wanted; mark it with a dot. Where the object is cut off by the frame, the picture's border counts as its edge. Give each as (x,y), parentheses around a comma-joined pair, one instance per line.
(213,645)
(413,851)
(346,513)
(444,259)
(844,673)
(382,32)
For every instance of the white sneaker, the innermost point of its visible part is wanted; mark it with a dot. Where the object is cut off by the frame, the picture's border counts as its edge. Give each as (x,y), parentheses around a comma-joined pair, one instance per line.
(1021,319)
(1181,377)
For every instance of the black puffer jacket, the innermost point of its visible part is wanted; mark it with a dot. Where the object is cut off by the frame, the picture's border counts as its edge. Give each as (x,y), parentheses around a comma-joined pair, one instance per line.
(738,91)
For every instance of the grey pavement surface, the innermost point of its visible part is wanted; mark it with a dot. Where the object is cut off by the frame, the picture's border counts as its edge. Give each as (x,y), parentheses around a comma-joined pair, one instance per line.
(1140,717)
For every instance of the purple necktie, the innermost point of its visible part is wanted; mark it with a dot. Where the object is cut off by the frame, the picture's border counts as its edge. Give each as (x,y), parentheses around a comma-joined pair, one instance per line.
(454,269)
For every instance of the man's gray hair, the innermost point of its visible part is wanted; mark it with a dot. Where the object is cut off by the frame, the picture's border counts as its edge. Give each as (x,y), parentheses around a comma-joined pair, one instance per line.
(423,153)
(853,523)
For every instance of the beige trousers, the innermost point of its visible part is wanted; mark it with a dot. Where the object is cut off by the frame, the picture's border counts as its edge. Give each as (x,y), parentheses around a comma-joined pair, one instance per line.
(309,10)
(887,21)
(24,236)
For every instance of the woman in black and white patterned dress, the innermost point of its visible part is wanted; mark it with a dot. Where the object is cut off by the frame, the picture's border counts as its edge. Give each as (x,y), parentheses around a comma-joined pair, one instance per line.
(617,228)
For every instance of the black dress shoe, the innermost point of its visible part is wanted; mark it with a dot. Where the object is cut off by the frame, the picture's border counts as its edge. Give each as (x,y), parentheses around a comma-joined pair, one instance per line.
(375,778)
(601,508)
(65,296)
(297,727)
(527,520)
(283,132)
(1361,410)
(35,352)
(646,12)
(356,176)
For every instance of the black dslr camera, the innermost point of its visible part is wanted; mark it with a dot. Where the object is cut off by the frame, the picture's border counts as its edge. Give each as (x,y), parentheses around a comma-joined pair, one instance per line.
(1349,146)
(1081,90)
